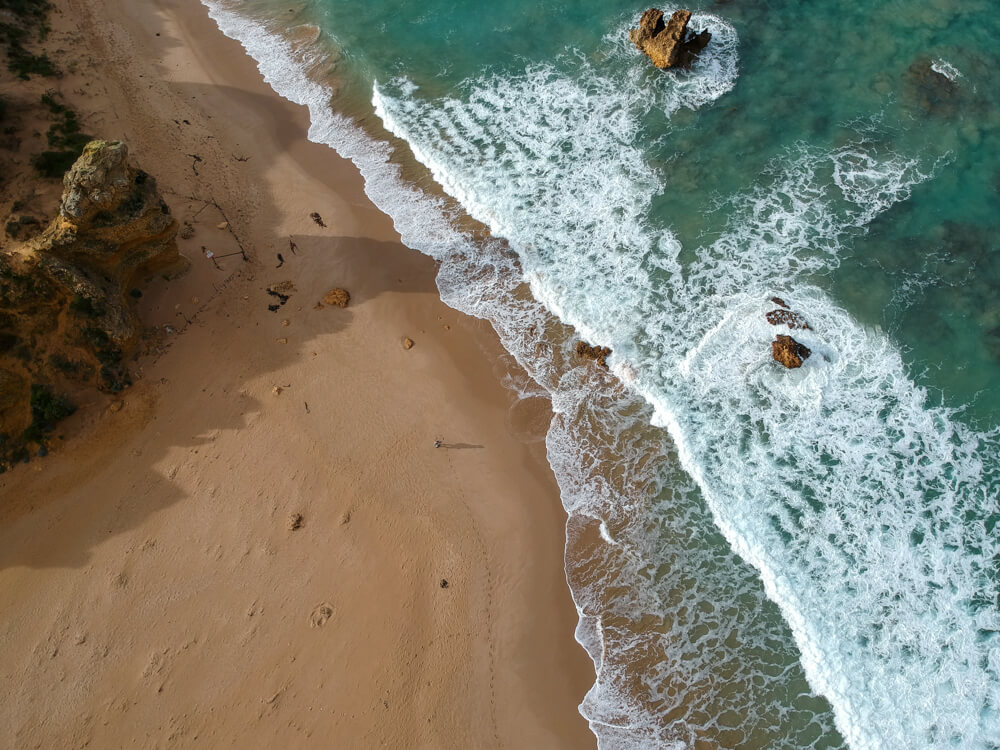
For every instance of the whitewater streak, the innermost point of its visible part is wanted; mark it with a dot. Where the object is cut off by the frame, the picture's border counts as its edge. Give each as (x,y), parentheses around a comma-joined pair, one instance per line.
(936,685)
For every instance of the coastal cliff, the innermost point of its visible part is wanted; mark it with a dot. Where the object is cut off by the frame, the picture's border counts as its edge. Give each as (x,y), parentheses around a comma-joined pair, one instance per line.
(67,295)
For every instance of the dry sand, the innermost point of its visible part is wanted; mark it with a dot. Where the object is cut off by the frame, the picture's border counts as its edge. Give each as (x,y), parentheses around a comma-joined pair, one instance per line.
(152,589)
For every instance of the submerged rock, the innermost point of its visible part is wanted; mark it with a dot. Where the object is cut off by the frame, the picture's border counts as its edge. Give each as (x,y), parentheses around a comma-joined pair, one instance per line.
(787,317)
(668,44)
(789,352)
(598,354)
(929,88)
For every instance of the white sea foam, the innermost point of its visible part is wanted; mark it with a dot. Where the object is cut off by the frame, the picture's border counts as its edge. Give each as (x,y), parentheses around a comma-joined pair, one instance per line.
(946,69)
(838,483)
(861,505)
(713,73)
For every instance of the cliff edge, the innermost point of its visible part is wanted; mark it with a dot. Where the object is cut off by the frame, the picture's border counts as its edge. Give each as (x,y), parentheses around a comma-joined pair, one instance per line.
(67,295)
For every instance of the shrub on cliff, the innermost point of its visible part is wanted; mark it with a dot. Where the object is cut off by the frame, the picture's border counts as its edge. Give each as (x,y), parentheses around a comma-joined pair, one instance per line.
(48,409)
(19,60)
(27,15)
(53,163)
(64,134)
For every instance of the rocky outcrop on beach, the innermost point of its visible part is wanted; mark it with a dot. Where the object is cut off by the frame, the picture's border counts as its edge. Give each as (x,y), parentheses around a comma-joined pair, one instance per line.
(112,227)
(598,354)
(67,294)
(668,44)
(789,352)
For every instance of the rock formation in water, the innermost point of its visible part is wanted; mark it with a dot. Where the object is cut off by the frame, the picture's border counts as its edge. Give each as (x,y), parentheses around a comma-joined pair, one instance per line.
(786,316)
(598,354)
(66,295)
(670,44)
(789,352)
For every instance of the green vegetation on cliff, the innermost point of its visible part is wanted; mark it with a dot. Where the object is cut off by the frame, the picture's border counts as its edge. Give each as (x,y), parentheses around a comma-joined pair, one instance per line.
(64,138)
(29,17)
(47,410)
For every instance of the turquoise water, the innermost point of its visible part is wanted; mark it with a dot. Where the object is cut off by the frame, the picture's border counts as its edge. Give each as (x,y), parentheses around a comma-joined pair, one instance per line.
(761,558)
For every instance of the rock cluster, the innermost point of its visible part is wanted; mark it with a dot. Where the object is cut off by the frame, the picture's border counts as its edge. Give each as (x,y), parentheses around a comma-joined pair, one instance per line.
(598,354)
(670,44)
(786,350)
(929,90)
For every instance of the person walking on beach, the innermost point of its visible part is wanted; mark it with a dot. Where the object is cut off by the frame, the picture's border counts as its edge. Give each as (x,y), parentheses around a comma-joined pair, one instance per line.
(437,443)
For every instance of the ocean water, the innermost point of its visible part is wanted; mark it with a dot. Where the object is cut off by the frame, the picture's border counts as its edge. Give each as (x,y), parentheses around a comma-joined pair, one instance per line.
(760,557)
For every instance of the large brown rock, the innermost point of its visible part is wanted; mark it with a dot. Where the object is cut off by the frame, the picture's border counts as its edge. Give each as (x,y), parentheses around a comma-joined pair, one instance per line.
(669,44)
(112,220)
(789,352)
(598,354)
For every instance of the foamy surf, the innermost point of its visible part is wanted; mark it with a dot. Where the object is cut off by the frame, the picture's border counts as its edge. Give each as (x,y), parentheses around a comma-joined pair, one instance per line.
(821,479)
(946,69)
(866,453)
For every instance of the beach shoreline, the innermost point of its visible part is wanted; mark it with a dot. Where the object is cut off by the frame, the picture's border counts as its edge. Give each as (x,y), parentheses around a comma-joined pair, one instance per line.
(153,588)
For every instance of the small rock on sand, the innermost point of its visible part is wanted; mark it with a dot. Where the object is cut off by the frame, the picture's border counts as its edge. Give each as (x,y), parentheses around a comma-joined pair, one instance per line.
(282,287)
(407,343)
(222,225)
(282,340)
(337,298)
(116,405)
(294,521)
(285,323)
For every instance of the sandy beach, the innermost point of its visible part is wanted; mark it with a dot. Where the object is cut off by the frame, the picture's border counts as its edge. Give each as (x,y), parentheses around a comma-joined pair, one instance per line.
(258,543)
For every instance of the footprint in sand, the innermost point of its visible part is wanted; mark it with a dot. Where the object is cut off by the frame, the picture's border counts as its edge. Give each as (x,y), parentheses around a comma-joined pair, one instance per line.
(320,615)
